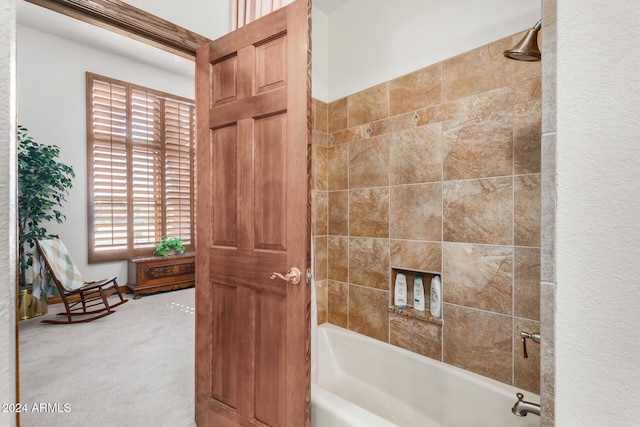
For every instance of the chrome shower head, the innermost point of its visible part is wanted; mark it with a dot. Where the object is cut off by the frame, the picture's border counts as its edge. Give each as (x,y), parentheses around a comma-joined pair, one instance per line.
(527,49)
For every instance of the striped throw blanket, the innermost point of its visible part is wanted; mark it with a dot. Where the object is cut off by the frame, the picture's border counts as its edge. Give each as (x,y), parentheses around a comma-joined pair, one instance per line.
(62,267)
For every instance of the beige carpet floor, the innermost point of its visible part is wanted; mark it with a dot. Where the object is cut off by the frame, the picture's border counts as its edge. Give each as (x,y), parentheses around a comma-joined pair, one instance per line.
(132,368)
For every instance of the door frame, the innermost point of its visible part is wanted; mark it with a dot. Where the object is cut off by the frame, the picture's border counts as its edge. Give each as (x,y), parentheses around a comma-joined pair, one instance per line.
(157,33)
(131,22)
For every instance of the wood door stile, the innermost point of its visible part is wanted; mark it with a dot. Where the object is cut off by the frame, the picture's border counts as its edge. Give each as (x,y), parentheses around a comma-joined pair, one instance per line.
(253,206)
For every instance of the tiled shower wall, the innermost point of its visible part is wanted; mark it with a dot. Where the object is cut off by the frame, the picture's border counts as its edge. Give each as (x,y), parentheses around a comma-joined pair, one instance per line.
(436,171)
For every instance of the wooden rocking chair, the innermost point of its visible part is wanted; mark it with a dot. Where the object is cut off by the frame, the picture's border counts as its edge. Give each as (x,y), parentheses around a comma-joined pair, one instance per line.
(85,299)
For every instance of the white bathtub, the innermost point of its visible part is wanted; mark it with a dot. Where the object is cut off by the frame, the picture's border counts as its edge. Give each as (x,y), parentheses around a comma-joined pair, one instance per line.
(363,382)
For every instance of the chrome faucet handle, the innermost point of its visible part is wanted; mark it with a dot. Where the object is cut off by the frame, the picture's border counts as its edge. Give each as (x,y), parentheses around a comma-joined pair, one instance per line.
(534,336)
(522,407)
(525,355)
(524,335)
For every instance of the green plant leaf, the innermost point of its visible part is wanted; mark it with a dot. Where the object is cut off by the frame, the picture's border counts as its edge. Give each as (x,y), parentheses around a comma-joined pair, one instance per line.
(43,184)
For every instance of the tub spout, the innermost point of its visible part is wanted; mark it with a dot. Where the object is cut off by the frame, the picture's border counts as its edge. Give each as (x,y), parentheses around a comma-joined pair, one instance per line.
(522,408)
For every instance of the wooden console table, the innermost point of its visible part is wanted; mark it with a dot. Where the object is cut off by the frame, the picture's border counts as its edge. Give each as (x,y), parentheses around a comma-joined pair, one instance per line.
(148,274)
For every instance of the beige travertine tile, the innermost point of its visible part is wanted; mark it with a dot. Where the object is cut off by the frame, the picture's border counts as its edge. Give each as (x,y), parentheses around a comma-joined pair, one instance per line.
(338,258)
(313,113)
(479,147)
(547,351)
(416,90)
(548,209)
(320,218)
(321,257)
(526,221)
(338,303)
(480,105)
(369,262)
(548,197)
(439,113)
(462,109)
(485,68)
(320,168)
(321,301)
(526,371)
(320,116)
(393,124)
(549,11)
(338,167)
(416,255)
(320,139)
(355,133)
(478,341)
(368,105)
(337,114)
(478,276)
(338,213)
(474,72)
(415,335)
(526,283)
(368,313)
(549,48)
(518,71)
(369,212)
(527,131)
(416,212)
(416,155)
(479,211)
(369,162)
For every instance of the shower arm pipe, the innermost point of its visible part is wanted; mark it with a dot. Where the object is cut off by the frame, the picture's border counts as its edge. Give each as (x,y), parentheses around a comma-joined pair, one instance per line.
(538,25)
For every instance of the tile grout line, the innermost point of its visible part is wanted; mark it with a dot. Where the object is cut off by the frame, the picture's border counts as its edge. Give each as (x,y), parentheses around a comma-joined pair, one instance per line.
(513,242)
(443,288)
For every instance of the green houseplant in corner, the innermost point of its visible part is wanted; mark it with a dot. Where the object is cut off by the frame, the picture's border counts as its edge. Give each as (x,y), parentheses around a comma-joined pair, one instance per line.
(43,184)
(169,246)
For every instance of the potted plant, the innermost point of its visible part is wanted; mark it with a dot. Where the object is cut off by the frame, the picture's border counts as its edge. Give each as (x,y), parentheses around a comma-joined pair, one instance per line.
(169,246)
(43,184)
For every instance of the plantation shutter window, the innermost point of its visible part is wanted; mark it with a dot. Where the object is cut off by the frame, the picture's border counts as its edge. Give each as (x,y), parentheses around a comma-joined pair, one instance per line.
(246,11)
(179,182)
(140,168)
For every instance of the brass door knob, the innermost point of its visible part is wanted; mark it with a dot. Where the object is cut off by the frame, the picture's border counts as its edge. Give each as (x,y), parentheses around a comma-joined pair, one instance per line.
(292,276)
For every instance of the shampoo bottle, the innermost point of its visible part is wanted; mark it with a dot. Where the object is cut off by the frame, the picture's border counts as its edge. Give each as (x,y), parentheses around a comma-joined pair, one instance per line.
(418,293)
(436,296)
(400,293)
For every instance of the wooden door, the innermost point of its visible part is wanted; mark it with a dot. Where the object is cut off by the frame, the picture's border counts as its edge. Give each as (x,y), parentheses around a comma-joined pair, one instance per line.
(252,215)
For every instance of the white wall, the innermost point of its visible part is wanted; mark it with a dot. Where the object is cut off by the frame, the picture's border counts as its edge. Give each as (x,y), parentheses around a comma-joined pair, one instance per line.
(7,210)
(209,18)
(51,105)
(320,53)
(598,214)
(372,41)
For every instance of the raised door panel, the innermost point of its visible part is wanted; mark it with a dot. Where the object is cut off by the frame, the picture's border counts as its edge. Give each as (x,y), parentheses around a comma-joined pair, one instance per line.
(270,359)
(224,184)
(225,346)
(269,186)
(224,80)
(270,64)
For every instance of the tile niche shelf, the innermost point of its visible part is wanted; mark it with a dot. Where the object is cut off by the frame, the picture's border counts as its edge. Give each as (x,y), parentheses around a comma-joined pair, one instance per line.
(409,311)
